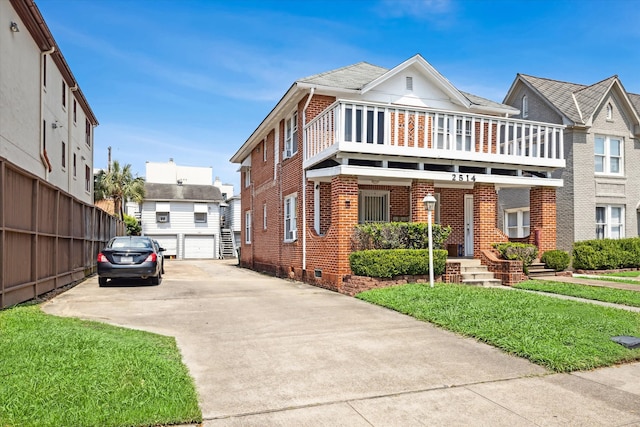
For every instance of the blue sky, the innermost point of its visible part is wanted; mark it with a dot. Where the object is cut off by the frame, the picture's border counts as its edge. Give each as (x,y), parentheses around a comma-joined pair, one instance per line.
(191,79)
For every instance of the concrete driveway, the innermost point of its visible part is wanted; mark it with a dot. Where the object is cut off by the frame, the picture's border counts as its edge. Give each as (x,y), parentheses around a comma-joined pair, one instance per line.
(265,351)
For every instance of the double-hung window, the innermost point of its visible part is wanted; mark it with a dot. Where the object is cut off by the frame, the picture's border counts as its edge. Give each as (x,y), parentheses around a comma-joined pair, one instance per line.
(290,218)
(291,135)
(516,222)
(609,222)
(608,152)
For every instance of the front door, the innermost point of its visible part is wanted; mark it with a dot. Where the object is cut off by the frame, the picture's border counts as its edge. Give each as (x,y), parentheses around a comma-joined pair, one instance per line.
(468,225)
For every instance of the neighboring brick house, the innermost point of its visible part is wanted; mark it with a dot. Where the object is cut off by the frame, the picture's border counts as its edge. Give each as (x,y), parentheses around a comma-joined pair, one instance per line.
(363,143)
(601,192)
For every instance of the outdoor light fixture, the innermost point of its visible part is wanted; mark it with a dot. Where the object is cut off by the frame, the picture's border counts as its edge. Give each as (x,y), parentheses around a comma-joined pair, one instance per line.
(430,205)
(14,27)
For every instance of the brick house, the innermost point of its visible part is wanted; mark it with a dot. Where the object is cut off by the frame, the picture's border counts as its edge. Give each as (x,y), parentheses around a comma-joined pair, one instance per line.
(601,193)
(364,143)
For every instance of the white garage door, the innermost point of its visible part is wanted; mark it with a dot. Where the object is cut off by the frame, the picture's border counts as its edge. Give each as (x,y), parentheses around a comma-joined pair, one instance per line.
(199,247)
(170,243)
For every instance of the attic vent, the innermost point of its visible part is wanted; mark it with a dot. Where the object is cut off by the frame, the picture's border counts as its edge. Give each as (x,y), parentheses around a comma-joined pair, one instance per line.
(409,82)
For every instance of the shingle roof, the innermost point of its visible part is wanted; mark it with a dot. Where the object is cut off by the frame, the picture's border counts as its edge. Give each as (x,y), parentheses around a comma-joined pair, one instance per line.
(356,76)
(154,191)
(350,77)
(577,102)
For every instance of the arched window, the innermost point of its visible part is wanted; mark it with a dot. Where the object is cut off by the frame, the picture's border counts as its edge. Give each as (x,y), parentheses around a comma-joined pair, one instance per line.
(609,111)
(525,107)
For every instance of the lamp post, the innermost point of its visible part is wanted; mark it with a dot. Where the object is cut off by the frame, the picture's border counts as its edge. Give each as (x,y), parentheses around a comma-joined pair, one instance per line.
(430,205)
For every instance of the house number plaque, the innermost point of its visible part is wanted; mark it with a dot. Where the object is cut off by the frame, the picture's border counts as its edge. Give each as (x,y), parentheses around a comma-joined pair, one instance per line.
(463,177)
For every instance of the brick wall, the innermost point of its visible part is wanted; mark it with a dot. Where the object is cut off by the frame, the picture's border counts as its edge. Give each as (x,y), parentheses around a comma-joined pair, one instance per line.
(485,221)
(542,205)
(419,189)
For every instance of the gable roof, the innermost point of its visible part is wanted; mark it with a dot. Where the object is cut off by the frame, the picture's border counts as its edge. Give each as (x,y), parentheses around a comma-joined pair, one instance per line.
(577,102)
(175,192)
(360,78)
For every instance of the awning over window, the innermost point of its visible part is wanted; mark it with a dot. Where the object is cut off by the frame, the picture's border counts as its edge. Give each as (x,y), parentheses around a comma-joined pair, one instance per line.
(163,206)
(200,208)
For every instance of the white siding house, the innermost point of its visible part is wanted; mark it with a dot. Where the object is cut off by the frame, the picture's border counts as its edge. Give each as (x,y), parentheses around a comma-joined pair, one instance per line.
(184,219)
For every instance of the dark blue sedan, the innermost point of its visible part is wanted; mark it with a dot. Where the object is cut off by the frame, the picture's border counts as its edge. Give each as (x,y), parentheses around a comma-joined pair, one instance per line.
(129,257)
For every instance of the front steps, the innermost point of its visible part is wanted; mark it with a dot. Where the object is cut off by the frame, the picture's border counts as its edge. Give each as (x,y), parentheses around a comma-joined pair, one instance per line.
(475,274)
(537,269)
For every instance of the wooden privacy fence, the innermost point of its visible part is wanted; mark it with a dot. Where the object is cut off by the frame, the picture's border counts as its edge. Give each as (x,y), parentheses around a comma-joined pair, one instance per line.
(48,238)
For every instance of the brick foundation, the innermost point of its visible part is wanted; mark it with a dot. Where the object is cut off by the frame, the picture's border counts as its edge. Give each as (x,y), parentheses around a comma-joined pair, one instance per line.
(507,271)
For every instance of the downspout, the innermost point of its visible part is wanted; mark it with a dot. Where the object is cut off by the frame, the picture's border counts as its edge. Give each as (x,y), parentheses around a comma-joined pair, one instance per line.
(43,151)
(304,181)
(70,147)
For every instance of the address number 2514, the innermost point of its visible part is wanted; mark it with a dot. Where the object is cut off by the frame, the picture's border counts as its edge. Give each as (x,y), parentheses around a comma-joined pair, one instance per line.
(463,177)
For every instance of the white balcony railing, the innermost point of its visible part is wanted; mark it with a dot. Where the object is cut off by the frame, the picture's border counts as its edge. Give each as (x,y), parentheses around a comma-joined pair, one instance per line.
(425,133)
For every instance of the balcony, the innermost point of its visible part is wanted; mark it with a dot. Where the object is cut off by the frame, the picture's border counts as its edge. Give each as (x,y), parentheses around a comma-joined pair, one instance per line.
(347,130)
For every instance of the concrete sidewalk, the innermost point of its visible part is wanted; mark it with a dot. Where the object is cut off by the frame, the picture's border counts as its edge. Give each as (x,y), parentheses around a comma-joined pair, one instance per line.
(265,351)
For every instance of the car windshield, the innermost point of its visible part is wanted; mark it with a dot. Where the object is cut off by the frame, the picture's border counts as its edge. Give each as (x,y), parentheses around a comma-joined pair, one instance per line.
(130,242)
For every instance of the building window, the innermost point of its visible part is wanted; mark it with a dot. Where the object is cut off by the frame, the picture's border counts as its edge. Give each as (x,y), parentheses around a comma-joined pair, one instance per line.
(608,155)
(87,178)
(373,206)
(290,218)
(525,106)
(247,178)
(87,132)
(360,126)
(264,216)
(609,111)
(609,222)
(247,227)
(200,217)
(75,111)
(44,71)
(409,83)
(200,211)
(162,217)
(517,222)
(64,154)
(291,135)
(44,136)
(64,94)
(75,169)
(264,150)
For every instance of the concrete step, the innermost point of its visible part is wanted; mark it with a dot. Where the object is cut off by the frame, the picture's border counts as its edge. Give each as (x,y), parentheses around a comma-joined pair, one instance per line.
(477,275)
(481,282)
(542,272)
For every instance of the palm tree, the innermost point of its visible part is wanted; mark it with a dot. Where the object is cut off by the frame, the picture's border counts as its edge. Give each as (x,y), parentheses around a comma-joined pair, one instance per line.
(120,185)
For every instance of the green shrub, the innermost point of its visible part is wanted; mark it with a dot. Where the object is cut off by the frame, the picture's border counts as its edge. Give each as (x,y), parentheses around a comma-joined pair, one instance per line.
(133,225)
(518,251)
(556,259)
(398,235)
(606,254)
(396,262)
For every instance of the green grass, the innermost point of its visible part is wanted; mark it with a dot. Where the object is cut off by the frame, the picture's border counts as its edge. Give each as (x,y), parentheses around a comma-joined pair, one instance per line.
(616,296)
(612,279)
(68,372)
(622,274)
(561,335)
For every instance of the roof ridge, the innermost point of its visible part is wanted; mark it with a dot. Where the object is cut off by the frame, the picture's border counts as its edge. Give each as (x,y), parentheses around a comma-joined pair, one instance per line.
(553,80)
(615,76)
(324,73)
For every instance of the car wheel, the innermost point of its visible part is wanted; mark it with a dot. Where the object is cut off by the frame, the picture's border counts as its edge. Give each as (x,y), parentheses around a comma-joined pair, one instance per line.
(102,281)
(155,280)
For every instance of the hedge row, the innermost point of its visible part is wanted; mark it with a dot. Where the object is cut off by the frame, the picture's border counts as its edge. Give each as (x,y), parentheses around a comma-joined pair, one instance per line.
(398,235)
(606,254)
(396,262)
(518,251)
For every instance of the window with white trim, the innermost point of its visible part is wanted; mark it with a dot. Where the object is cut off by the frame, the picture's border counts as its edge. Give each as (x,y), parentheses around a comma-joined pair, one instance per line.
(373,206)
(609,111)
(525,106)
(290,218)
(517,222)
(364,126)
(291,135)
(247,227)
(247,178)
(608,156)
(264,150)
(436,211)
(609,222)
(200,212)
(264,216)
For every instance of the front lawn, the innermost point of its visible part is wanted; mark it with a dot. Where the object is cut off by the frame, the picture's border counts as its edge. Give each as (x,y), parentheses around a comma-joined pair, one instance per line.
(68,372)
(609,279)
(622,274)
(597,293)
(561,335)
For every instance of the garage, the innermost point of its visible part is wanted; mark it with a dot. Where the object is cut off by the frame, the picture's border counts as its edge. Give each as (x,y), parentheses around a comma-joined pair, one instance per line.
(170,243)
(199,246)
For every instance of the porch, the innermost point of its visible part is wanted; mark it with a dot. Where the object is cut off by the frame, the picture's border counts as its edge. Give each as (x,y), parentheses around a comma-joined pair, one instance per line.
(413,138)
